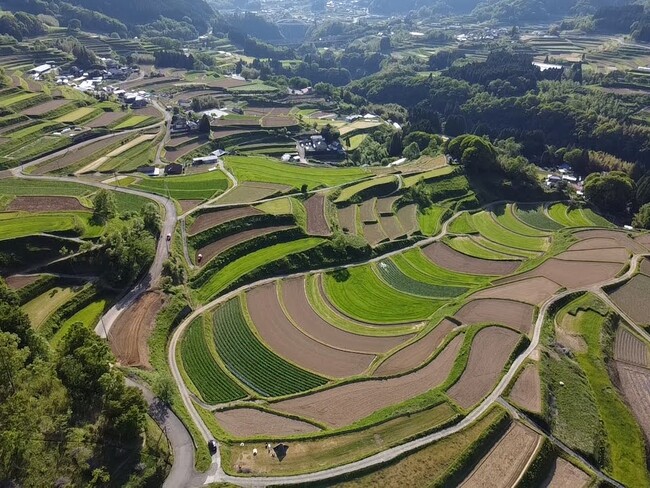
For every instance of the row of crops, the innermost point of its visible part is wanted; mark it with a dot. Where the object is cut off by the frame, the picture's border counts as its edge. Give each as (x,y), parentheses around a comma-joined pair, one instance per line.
(391,274)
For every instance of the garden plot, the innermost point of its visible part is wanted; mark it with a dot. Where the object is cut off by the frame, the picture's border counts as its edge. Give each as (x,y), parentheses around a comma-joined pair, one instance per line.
(632,298)
(296,303)
(45,204)
(252,192)
(116,152)
(513,314)
(408,218)
(348,219)
(445,257)
(415,354)
(316,220)
(289,342)
(629,349)
(129,335)
(491,349)
(343,405)
(527,390)
(212,219)
(217,247)
(565,475)
(571,274)
(532,290)
(505,462)
(250,422)
(635,384)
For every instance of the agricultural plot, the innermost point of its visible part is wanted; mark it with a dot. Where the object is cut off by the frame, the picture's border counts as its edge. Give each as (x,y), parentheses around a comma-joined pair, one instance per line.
(527,390)
(89,316)
(565,475)
(430,221)
(488,227)
(382,186)
(250,422)
(570,217)
(374,234)
(632,298)
(536,217)
(186,187)
(630,349)
(408,218)
(516,315)
(389,272)
(72,117)
(15,224)
(252,362)
(40,308)
(392,228)
(445,257)
(635,385)
(316,220)
(132,122)
(44,108)
(428,176)
(207,376)
(621,237)
(571,274)
(250,192)
(108,162)
(533,291)
(505,216)
(44,204)
(415,264)
(473,246)
(211,219)
(348,219)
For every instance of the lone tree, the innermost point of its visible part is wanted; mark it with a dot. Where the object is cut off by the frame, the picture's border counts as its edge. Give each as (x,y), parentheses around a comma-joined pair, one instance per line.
(105,207)
(204,124)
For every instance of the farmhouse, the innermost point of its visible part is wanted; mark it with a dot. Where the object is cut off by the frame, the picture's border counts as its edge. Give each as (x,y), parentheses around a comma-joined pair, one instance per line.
(40,70)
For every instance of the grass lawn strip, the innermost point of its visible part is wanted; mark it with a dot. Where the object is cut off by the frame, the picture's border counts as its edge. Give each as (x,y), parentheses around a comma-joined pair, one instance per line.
(41,307)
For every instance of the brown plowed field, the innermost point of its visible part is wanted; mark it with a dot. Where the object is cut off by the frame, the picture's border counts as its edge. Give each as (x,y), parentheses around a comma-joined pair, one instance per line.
(278,121)
(348,219)
(513,314)
(491,349)
(130,332)
(289,342)
(174,155)
(635,384)
(228,83)
(316,221)
(374,234)
(295,301)
(417,353)
(187,205)
(644,241)
(645,267)
(368,211)
(612,255)
(621,237)
(250,192)
(208,220)
(527,390)
(447,258)
(106,119)
(249,422)
(532,290)
(571,274)
(628,348)
(73,155)
(501,467)
(217,247)
(595,243)
(392,227)
(17,282)
(385,205)
(45,204)
(177,141)
(408,217)
(44,108)
(343,405)
(566,475)
(632,298)
(219,134)
(279,111)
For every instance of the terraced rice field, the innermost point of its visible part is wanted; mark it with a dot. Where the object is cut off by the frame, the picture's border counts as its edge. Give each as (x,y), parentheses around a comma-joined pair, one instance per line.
(249,422)
(408,219)
(393,276)
(385,185)
(252,192)
(488,227)
(629,349)
(536,217)
(187,187)
(513,314)
(316,220)
(445,257)
(527,390)
(215,218)
(565,475)
(632,298)
(348,219)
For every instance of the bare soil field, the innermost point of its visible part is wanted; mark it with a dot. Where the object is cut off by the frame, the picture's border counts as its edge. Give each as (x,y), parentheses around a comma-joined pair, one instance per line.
(44,108)
(295,301)
(447,258)
(278,121)
(208,220)
(566,475)
(595,243)
(188,95)
(385,205)
(98,163)
(629,349)
(571,274)
(16,282)
(392,228)
(510,313)
(217,247)
(531,290)
(645,267)
(408,218)
(174,155)
(148,112)
(45,204)
(130,332)
(635,384)
(228,83)
(632,298)
(501,467)
(644,240)
(417,353)
(75,155)
(621,237)
(220,134)
(252,192)
(611,255)
(316,221)
(262,111)
(491,349)
(374,234)
(367,210)
(286,340)
(527,390)
(348,219)
(177,141)
(249,422)
(106,119)
(157,82)
(187,205)
(343,405)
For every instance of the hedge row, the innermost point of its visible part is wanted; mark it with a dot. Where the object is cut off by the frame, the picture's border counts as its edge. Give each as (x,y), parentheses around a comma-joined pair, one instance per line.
(541,466)
(40,286)
(81,300)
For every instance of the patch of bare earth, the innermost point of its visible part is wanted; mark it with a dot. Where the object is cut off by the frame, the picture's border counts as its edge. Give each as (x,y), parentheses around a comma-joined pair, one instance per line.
(612,255)
(106,119)
(571,274)
(303,315)
(621,237)
(595,243)
(629,349)
(249,422)
(385,205)
(446,257)
(645,267)
(632,298)
(532,290)
(348,219)
(16,282)
(527,390)
(644,240)
(286,340)
(501,467)
(45,204)
(513,314)
(408,218)
(208,220)
(316,221)
(343,405)
(187,205)
(417,353)
(490,351)
(46,107)
(635,384)
(130,332)
(215,248)
(566,475)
